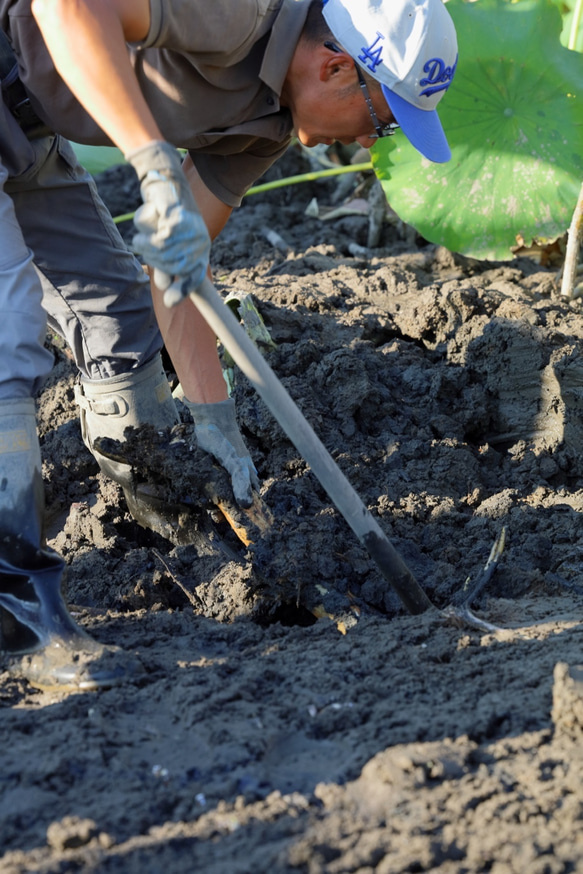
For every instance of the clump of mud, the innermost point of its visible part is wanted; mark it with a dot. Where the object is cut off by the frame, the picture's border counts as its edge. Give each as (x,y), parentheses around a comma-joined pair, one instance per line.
(291,544)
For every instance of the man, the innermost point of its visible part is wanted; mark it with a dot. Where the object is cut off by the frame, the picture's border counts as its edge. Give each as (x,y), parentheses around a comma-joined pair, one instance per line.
(230,82)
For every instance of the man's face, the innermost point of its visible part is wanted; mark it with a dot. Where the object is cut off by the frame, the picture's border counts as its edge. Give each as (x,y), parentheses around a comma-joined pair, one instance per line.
(345,120)
(331,106)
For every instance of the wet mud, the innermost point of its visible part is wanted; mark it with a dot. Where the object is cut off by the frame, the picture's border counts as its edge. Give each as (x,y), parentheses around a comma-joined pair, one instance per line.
(292,714)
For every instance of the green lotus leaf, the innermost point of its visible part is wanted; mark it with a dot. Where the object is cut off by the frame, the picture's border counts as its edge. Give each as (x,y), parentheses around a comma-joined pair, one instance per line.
(514,120)
(96,159)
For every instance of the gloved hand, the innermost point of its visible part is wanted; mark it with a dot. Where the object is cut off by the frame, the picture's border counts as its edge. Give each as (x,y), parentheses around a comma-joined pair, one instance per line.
(217,432)
(172,235)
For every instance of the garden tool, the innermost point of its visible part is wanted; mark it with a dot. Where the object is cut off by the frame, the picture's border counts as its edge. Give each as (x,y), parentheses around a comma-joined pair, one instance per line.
(37,631)
(245,354)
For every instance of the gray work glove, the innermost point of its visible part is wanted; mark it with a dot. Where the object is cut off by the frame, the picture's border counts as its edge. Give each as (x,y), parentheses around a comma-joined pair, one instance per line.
(172,235)
(217,432)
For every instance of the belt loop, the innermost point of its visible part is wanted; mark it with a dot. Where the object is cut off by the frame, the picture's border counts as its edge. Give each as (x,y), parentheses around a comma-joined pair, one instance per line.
(15,96)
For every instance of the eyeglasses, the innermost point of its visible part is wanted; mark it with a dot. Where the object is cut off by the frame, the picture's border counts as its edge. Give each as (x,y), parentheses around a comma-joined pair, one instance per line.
(382,130)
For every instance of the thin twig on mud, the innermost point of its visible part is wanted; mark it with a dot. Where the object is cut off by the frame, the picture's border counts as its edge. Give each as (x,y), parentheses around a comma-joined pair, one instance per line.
(194,599)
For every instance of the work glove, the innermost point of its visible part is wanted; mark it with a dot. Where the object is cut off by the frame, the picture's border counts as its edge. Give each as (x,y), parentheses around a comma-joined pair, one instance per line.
(216,431)
(172,235)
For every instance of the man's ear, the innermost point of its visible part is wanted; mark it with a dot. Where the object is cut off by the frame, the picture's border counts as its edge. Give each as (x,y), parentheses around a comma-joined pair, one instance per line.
(337,66)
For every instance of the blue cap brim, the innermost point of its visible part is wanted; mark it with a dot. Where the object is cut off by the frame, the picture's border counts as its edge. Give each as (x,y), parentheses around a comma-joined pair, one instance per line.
(421,127)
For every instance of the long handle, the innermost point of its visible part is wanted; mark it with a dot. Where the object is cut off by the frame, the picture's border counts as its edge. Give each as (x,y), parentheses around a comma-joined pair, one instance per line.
(246,355)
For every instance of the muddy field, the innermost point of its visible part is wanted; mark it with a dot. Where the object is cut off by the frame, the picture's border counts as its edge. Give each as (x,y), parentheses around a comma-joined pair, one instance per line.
(261,738)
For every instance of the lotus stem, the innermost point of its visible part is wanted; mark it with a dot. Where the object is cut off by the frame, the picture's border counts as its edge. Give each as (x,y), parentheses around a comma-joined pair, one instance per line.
(575,25)
(573,246)
(288,181)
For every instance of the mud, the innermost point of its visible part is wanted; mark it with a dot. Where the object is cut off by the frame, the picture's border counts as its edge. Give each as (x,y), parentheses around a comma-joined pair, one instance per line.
(292,715)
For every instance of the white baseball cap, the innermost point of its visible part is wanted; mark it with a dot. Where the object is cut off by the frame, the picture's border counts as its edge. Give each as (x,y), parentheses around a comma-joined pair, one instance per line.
(410,47)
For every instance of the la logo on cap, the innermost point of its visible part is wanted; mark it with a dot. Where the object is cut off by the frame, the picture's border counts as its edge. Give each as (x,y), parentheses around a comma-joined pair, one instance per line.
(371,56)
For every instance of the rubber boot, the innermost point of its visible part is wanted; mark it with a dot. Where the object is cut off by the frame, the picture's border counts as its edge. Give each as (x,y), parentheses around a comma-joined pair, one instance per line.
(38,634)
(106,408)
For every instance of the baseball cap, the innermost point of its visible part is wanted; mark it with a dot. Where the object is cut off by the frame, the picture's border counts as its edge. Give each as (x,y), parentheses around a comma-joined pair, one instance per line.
(410,47)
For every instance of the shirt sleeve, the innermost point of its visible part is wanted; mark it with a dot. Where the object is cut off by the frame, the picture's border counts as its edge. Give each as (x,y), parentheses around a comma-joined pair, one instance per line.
(229,177)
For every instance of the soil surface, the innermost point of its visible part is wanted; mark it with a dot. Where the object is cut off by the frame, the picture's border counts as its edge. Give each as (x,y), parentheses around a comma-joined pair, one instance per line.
(292,715)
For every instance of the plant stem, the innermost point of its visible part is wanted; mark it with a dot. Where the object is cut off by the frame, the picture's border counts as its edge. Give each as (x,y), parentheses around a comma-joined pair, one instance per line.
(289,180)
(575,25)
(310,177)
(573,246)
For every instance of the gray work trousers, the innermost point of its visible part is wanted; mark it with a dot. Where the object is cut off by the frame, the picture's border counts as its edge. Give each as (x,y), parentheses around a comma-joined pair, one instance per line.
(63,262)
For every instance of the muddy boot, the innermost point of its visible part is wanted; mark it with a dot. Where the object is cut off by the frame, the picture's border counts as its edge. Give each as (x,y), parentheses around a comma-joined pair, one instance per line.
(37,633)
(107,408)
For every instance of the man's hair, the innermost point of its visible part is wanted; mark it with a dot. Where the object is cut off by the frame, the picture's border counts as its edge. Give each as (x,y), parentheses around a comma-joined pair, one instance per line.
(316,32)
(315,28)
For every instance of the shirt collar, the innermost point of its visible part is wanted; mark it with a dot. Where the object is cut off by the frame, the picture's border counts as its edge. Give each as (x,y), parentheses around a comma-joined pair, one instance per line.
(284,38)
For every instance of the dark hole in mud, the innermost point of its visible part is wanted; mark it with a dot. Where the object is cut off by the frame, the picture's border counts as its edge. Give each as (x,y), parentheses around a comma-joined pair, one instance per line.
(288,615)
(138,535)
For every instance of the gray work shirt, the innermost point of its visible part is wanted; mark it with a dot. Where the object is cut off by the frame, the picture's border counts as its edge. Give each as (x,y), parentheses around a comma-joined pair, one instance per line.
(211,73)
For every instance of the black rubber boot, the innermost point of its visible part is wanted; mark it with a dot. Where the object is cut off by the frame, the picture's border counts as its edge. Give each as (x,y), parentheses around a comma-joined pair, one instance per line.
(44,643)
(39,636)
(106,408)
